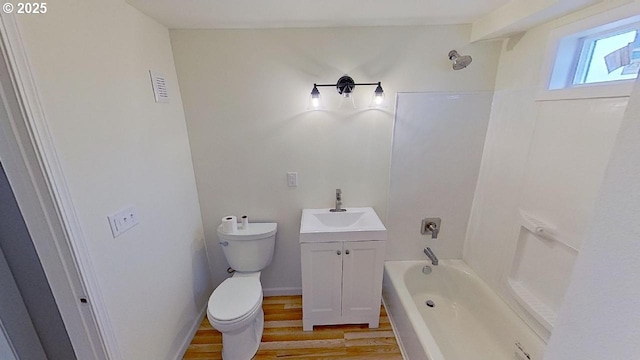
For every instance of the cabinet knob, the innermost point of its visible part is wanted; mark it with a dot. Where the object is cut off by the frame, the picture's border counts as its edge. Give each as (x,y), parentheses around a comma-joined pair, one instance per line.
(339,252)
(346,252)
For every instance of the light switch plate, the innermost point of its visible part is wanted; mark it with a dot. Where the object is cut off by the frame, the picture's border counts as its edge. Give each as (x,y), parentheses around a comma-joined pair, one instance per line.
(292,179)
(123,220)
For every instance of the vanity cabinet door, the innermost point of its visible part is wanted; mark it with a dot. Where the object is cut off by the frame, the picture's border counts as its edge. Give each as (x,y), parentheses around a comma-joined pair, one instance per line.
(362,267)
(321,280)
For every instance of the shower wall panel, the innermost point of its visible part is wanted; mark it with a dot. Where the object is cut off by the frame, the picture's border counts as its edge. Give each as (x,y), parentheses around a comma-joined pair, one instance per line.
(437,148)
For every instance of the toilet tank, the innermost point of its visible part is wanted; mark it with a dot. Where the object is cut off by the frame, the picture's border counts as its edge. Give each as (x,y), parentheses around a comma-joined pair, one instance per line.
(249,249)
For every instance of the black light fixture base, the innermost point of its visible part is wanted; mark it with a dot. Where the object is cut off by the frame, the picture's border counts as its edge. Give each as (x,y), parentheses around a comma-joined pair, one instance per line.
(345,85)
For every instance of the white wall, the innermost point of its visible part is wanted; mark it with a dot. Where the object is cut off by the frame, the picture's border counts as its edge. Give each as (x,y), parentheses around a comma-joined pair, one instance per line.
(117,147)
(246,96)
(546,157)
(437,148)
(599,318)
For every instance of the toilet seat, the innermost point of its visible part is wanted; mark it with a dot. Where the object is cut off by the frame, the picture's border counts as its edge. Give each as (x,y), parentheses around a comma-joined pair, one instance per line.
(236,299)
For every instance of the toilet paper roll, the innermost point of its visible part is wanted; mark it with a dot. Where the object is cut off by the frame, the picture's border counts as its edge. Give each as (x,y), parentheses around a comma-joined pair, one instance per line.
(245,221)
(229,224)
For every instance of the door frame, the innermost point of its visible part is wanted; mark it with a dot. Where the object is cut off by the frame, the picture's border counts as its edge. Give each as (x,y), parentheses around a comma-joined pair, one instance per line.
(31,164)
(17,321)
(5,343)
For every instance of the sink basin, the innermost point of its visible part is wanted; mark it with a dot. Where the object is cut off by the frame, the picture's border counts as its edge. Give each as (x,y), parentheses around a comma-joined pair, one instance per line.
(339,220)
(355,224)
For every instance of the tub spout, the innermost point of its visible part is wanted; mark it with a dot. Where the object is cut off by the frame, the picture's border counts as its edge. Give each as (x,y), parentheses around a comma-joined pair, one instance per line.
(431,256)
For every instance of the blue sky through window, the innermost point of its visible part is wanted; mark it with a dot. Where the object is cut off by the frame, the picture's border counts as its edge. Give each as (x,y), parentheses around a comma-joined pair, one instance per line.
(623,55)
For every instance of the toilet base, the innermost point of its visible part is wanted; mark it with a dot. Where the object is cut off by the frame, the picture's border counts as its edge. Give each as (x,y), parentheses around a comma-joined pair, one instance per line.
(242,345)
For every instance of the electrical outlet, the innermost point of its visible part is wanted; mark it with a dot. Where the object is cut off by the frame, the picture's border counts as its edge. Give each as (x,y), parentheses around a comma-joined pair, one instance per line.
(123,220)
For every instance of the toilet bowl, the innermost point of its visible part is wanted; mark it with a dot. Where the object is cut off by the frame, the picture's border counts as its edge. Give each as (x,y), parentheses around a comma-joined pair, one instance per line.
(235,309)
(235,306)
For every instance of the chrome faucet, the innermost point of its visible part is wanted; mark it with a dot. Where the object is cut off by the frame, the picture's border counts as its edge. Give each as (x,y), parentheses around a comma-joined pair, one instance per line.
(431,256)
(338,207)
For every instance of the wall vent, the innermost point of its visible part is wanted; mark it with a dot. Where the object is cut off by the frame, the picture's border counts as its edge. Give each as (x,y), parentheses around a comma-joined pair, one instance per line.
(159,87)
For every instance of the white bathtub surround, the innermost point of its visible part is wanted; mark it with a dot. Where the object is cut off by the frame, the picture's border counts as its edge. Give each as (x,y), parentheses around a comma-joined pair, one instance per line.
(468,320)
(437,146)
(599,318)
(539,290)
(546,158)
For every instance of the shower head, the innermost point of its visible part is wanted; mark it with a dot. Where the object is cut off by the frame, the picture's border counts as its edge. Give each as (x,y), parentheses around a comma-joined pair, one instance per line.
(459,62)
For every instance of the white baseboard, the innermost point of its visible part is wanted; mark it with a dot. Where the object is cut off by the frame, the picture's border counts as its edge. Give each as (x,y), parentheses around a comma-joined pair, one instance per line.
(187,341)
(284,291)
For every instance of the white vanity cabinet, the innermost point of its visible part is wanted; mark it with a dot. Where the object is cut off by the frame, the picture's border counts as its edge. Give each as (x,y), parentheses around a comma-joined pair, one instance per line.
(341,282)
(342,263)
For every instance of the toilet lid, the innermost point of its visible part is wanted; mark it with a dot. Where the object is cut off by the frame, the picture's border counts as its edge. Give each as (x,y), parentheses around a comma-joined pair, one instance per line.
(234,298)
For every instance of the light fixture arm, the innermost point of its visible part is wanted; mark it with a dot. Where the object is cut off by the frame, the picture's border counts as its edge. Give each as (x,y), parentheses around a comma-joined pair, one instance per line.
(345,86)
(359,84)
(362,84)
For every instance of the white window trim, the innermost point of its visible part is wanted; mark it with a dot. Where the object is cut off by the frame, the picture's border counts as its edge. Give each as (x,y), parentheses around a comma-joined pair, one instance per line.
(566,41)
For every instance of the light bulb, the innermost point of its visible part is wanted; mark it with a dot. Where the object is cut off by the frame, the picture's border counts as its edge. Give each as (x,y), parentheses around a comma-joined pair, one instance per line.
(315,102)
(379,95)
(315,97)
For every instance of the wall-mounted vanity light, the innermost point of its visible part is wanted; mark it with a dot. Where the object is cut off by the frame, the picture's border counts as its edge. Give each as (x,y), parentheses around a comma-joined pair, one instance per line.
(345,86)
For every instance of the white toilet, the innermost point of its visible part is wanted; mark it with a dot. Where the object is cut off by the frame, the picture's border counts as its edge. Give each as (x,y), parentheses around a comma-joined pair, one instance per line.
(235,307)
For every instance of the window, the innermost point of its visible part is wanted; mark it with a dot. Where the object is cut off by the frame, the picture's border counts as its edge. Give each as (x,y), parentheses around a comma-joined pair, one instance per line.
(606,57)
(593,58)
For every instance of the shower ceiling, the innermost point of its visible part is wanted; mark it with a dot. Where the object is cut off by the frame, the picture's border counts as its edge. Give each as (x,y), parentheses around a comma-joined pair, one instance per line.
(210,14)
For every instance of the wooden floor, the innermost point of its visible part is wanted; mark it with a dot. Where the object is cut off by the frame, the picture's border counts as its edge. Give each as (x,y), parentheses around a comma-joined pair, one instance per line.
(283,337)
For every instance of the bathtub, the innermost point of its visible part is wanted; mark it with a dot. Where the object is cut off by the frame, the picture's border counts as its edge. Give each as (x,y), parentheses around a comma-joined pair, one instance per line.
(467,322)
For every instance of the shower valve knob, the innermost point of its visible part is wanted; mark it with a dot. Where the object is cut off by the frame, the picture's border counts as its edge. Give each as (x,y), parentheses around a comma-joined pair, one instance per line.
(431,226)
